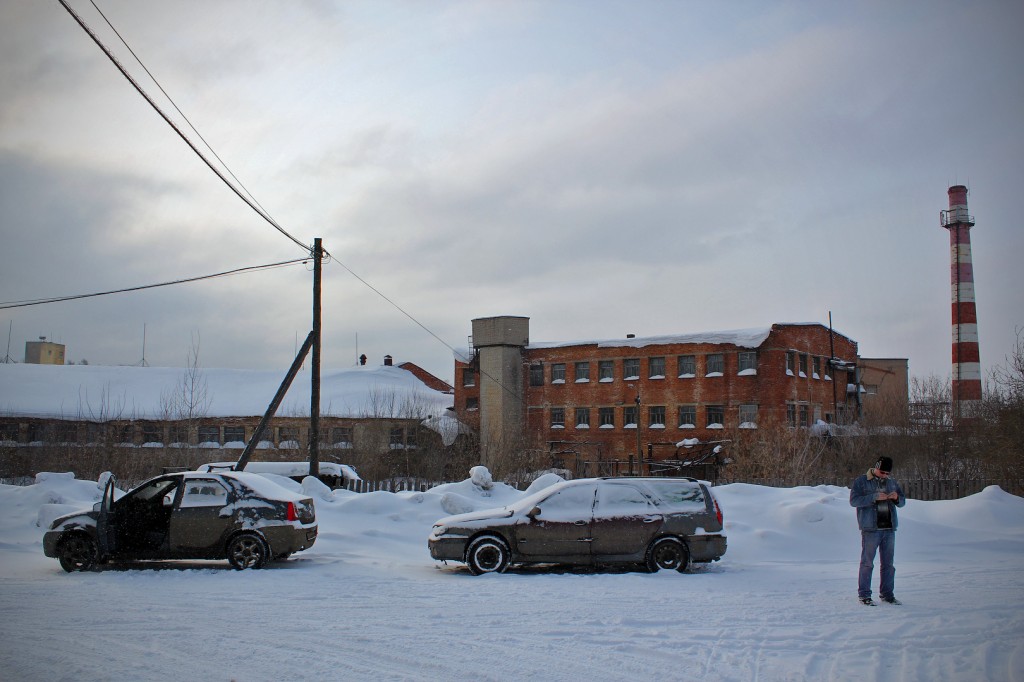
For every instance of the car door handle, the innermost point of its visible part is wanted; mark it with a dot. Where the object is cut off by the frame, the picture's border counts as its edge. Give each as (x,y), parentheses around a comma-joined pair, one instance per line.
(579,523)
(651,519)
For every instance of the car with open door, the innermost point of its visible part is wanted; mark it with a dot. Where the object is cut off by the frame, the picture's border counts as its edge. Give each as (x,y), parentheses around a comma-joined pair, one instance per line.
(235,515)
(658,523)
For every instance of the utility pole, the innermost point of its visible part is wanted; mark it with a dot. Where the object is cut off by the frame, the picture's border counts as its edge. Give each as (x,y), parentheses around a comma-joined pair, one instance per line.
(314,393)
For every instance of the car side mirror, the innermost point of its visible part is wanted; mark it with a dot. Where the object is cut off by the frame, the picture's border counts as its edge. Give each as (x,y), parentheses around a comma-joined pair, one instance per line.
(167,501)
(533,513)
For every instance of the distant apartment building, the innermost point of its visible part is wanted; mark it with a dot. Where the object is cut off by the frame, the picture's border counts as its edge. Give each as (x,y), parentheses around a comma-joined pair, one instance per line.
(650,398)
(43,352)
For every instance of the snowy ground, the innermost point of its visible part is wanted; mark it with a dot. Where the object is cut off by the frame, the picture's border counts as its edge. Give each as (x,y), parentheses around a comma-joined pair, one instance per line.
(367,602)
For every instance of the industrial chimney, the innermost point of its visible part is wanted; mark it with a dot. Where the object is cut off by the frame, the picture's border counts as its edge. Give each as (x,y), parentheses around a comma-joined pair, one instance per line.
(966,358)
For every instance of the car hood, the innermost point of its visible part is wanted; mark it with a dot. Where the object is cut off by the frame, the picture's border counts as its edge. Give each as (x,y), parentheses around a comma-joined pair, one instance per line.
(80,518)
(481,515)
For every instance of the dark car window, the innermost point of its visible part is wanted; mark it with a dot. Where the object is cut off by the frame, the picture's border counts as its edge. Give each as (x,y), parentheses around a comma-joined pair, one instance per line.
(685,495)
(153,490)
(202,492)
(615,500)
(569,504)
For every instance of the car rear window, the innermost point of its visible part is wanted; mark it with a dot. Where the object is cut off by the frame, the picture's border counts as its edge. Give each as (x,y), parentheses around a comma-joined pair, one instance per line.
(680,494)
(201,492)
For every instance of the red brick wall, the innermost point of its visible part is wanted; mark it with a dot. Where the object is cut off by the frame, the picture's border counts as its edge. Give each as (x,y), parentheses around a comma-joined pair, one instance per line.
(771,389)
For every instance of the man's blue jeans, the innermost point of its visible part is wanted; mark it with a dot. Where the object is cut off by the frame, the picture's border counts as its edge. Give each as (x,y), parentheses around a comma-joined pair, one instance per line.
(883,542)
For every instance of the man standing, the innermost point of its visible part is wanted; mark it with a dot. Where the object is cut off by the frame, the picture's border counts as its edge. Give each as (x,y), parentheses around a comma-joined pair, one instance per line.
(876,496)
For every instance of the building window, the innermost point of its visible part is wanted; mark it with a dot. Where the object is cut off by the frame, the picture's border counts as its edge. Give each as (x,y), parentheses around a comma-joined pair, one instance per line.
(791,414)
(687,416)
(629,415)
(791,363)
(209,434)
(656,417)
(716,365)
(803,365)
(65,433)
(582,417)
(631,368)
(656,368)
(468,377)
(716,416)
(288,437)
(234,434)
(606,417)
(152,433)
(816,367)
(582,372)
(605,370)
(748,362)
(412,438)
(748,416)
(558,373)
(804,416)
(472,403)
(9,433)
(126,434)
(341,437)
(687,366)
(558,417)
(537,374)
(176,434)
(396,438)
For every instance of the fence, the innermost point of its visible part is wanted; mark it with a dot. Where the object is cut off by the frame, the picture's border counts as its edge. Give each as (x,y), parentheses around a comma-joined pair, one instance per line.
(916,489)
(913,488)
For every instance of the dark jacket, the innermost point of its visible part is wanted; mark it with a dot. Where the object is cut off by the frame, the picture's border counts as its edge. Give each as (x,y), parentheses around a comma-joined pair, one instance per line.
(862,496)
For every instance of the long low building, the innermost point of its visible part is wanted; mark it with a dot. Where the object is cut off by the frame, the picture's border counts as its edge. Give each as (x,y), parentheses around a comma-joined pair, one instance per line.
(48,413)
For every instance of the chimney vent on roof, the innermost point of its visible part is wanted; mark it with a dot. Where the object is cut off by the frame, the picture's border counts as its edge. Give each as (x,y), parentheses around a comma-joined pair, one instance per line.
(630,336)
(387,361)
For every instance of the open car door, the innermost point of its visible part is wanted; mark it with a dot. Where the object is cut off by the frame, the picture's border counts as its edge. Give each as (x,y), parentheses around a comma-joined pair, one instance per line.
(106,530)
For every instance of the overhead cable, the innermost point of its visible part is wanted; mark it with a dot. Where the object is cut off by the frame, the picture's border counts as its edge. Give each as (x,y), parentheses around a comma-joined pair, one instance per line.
(226,273)
(251,203)
(178,109)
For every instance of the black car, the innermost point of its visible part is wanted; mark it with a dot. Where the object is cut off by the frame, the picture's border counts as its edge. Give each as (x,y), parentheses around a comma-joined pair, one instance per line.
(655,522)
(242,517)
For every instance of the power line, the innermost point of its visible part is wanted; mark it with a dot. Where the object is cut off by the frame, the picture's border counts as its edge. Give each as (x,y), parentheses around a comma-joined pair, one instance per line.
(177,108)
(249,202)
(237,271)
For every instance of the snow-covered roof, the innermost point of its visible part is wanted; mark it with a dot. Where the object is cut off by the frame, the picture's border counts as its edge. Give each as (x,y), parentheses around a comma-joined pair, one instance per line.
(92,392)
(743,338)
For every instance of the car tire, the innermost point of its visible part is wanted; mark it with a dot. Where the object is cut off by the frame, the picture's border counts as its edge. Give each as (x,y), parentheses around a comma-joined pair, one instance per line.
(77,552)
(247,550)
(668,554)
(487,554)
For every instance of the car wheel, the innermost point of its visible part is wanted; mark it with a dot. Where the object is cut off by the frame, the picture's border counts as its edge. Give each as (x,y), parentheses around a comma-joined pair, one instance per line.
(247,550)
(78,552)
(487,554)
(667,553)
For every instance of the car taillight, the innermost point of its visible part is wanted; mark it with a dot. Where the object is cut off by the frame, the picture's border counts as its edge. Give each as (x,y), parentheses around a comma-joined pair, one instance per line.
(718,511)
(292,516)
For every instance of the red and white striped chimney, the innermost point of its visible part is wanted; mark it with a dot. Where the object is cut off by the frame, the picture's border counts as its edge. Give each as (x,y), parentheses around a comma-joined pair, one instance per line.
(966,358)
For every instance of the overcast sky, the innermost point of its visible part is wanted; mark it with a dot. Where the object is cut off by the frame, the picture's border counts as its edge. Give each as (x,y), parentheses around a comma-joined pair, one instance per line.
(603,168)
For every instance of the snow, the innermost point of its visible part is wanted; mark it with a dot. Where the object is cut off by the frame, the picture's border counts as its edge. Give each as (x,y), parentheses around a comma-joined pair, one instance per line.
(367,602)
(94,392)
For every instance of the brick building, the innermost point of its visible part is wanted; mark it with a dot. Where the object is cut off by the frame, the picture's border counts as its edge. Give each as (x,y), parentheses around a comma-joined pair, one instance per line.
(659,398)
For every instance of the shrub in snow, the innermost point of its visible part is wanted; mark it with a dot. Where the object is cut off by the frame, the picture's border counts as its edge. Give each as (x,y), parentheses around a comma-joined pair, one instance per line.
(456,504)
(317,489)
(481,477)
